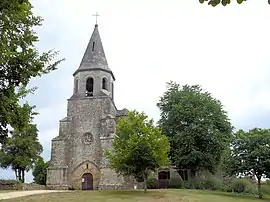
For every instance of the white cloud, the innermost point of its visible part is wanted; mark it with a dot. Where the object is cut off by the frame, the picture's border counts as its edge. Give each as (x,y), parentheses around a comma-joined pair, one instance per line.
(45,137)
(48,125)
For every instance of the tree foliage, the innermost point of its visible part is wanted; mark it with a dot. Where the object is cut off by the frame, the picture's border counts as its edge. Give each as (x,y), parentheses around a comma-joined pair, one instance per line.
(40,171)
(19,62)
(138,148)
(197,126)
(229,166)
(21,150)
(252,150)
(223,2)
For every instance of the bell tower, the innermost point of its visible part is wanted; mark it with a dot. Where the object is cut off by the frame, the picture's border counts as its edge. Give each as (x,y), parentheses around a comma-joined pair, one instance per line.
(93,78)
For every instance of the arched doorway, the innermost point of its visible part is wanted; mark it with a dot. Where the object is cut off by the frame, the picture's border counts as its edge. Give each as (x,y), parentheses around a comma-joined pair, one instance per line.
(163,179)
(87,181)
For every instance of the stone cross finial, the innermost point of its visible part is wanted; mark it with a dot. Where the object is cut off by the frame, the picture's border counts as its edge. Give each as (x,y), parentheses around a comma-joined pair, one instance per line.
(96,15)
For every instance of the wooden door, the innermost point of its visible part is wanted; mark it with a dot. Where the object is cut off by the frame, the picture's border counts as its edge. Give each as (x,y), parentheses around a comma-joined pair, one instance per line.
(87,181)
(163,179)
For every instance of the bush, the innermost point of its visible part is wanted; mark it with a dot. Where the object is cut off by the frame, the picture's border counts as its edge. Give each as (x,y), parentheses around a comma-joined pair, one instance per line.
(197,182)
(226,188)
(208,181)
(187,185)
(251,189)
(240,185)
(176,183)
(152,183)
(212,182)
(265,189)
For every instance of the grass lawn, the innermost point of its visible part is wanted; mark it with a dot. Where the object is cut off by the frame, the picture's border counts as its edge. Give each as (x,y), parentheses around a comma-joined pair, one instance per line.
(131,196)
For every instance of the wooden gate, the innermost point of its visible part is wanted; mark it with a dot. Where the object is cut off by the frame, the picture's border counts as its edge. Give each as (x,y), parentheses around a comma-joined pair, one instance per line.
(87,181)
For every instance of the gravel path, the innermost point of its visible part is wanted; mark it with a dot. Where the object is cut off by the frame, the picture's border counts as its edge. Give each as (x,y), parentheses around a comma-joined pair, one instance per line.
(16,194)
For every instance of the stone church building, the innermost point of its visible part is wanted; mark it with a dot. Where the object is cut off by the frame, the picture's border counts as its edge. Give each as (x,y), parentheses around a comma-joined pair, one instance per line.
(77,153)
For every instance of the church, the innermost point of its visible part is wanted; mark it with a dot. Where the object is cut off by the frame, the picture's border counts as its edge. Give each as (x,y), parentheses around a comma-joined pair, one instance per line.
(77,153)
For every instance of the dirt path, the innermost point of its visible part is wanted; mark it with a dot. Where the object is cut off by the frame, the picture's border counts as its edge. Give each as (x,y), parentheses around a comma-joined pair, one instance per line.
(16,194)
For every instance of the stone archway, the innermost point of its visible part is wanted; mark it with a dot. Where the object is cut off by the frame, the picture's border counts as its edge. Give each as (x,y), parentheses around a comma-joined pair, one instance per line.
(87,181)
(80,170)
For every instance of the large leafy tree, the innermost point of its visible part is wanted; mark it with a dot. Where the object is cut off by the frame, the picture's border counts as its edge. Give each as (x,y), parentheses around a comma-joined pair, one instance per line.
(138,148)
(229,165)
(19,62)
(21,150)
(197,126)
(40,171)
(252,150)
(223,2)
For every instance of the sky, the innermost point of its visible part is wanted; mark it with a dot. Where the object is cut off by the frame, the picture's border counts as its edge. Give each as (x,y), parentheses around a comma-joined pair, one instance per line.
(149,43)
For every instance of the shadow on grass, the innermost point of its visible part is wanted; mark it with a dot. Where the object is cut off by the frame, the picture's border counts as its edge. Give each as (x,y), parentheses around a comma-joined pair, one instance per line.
(125,194)
(235,195)
(133,192)
(227,194)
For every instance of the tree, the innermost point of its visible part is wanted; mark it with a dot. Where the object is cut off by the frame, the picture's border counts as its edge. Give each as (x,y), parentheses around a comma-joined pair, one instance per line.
(223,2)
(40,171)
(138,148)
(21,150)
(19,62)
(229,166)
(252,150)
(197,127)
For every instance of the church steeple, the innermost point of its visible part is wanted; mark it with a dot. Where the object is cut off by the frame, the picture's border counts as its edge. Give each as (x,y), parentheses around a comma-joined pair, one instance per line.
(94,56)
(93,78)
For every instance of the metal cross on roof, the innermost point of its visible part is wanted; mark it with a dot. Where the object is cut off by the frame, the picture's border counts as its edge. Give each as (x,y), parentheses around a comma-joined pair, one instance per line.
(96,15)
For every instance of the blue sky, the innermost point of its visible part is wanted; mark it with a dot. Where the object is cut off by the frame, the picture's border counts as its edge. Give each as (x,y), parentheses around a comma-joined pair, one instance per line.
(148,43)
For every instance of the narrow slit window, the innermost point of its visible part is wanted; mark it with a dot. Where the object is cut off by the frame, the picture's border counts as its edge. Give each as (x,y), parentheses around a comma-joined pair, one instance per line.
(93,46)
(86,166)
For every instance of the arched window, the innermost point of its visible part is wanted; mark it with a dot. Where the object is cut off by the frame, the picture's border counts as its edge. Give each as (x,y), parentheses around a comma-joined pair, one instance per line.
(104,84)
(89,86)
(76,87)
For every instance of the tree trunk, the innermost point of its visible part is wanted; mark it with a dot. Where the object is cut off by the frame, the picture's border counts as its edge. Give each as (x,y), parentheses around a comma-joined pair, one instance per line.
(19,174)
(145,182)
(16,174)
(259,187)
(193,173)
(23,174)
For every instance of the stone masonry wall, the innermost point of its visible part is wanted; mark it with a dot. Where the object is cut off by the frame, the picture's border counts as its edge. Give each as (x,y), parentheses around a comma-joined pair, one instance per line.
(87,129)
(15,185)
(33,186)
(86,114)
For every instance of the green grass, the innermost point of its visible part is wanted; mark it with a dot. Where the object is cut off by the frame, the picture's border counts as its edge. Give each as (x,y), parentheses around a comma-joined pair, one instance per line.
(132,196)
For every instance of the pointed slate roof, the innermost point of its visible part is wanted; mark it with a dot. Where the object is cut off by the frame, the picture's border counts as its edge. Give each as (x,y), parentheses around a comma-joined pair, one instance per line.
(94,56)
